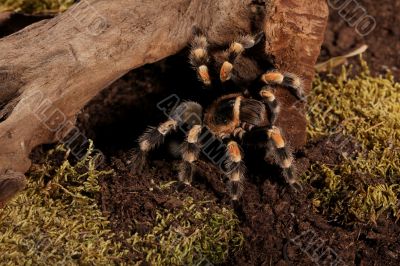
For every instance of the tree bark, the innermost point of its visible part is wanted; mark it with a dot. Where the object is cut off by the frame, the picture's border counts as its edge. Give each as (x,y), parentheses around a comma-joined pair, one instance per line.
(295,30)
(51,69)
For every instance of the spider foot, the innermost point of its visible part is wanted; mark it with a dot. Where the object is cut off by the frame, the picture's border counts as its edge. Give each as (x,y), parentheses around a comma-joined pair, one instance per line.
(235,170)
(289,80)
(186,172)
(138,162)
(295,184)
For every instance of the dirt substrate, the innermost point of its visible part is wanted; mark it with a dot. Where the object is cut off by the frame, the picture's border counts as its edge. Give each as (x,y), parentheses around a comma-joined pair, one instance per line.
(383,41)
(279,225)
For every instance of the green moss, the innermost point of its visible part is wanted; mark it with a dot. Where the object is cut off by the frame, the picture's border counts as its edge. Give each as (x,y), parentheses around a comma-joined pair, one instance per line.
(35,6)
(57,220)
(364,111)
(193,235)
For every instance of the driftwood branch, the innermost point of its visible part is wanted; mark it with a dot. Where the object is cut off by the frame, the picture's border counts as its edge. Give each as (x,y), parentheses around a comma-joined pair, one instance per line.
(51,69)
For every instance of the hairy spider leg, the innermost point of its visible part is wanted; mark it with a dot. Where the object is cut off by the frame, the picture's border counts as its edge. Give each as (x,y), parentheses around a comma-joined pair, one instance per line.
(236,48)
(282,155)
(190,151)
(270,101)
(151,139)
(235,169)
(199,58)
(185,113)
(287,80)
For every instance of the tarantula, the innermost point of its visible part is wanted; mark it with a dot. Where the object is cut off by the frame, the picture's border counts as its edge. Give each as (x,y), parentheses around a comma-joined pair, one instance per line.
(245,108)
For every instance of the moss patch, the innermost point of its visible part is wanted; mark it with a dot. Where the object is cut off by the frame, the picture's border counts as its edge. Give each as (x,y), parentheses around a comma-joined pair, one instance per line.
(364,111)
(37,6)
(194,235)
(57,220)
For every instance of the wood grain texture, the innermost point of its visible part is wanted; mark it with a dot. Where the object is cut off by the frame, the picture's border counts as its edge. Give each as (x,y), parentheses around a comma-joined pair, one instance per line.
(296,31)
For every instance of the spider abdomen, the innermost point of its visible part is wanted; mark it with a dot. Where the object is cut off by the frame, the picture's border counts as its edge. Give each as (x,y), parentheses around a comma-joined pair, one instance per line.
(253,113)
(232,112)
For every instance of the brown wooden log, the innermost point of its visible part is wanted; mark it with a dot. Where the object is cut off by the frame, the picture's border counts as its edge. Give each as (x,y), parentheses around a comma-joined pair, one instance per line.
(51,69)
(295,30)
